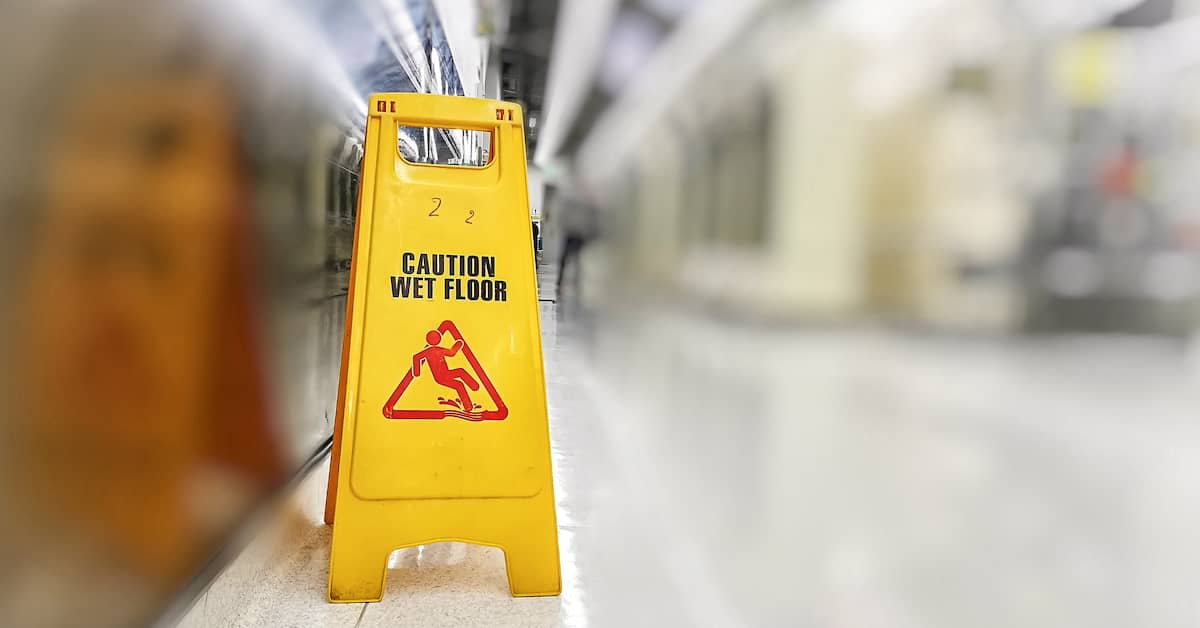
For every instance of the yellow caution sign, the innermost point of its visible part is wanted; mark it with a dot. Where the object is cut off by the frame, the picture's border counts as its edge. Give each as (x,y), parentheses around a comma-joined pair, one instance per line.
(1087,67)
(442,432)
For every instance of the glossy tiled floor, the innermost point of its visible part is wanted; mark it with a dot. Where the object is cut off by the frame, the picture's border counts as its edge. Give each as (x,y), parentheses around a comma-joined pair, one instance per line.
(280,579)
(712,473)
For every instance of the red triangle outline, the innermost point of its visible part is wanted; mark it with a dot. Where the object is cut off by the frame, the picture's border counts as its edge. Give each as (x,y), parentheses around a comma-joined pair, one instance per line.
(499,414)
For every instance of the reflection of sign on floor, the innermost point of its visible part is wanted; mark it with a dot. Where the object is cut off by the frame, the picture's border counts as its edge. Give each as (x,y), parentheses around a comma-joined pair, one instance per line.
(459,388)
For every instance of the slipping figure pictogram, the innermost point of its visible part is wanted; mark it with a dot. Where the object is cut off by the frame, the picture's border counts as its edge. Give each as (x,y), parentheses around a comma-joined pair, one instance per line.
(458,380)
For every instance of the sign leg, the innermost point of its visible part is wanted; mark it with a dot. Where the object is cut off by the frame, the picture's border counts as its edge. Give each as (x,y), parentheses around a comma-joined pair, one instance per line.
(532,558)
(356,566)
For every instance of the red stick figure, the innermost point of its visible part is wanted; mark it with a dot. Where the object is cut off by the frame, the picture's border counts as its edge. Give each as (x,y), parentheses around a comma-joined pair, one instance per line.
(458,380)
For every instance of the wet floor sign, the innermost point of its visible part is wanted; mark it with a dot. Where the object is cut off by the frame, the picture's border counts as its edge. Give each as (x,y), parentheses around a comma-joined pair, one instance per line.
(442,432)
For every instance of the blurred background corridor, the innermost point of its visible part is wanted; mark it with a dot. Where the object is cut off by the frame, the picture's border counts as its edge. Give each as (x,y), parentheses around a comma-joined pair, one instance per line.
(857,313)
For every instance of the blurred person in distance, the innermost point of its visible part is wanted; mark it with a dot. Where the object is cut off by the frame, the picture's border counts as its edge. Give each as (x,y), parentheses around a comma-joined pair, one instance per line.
(580,226)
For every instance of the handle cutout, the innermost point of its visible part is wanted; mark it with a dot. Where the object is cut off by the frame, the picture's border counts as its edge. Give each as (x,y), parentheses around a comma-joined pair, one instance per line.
(441,146)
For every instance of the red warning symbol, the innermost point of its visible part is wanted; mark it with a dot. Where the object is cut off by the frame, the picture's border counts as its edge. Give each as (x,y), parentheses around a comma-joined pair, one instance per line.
(460,383)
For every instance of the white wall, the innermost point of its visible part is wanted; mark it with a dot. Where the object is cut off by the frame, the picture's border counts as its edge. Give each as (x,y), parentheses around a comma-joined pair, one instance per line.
(537,192)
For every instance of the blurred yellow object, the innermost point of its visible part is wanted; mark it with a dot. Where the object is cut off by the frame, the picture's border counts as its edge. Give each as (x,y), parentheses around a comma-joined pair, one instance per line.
(444,301)
(140,374)
(1087,68)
